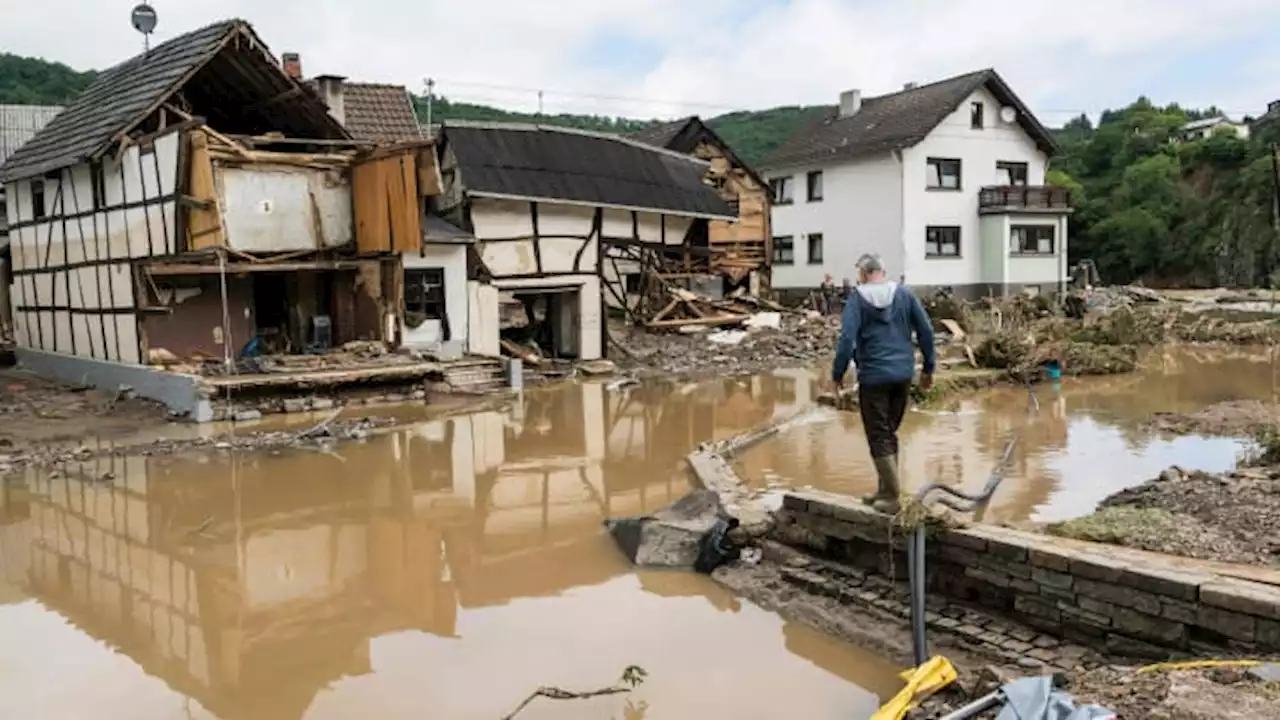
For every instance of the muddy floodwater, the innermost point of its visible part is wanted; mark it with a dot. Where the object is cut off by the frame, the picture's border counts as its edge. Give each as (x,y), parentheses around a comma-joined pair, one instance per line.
(1079,441)
(441,570)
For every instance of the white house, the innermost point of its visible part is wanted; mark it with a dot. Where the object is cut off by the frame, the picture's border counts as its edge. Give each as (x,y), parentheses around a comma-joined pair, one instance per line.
(944,181)
(1203,128)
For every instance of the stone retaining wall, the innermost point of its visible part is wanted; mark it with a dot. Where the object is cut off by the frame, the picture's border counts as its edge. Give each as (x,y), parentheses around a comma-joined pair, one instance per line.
(1123,601)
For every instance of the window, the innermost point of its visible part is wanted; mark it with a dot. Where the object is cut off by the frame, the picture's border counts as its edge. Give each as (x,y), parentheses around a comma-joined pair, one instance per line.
(976,111)
(942,241)
(98,183)
(944,174)
(37,200)
(1011,173)
(782,190)
(631,283)
(814,182)
(815,248)
(423,296)
(1032,239)
(784,250)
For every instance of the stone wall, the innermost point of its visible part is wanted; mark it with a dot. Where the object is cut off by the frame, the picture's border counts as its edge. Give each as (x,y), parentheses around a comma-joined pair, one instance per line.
(1120,600)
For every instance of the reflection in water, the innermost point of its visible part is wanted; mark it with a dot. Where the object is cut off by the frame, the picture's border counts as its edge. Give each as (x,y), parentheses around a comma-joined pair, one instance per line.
(1085,442)
(441,570)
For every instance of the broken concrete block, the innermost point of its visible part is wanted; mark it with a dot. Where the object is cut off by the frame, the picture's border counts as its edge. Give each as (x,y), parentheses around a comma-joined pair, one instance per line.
(322,404)
(247,415)
(295,405)
(671,537)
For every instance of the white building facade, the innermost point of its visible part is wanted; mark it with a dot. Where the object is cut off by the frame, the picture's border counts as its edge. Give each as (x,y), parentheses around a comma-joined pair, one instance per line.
(946,182)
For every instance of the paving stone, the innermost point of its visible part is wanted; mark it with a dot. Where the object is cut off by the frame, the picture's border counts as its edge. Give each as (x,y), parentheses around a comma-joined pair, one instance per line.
(1251,598)
(1046,642)
(866,596)
(991,638)
(1007,551)
(1049,559)
(969,631)
(1030,663)
(1148,627)
(947,623)
(1050,578)
(1042,654)
(1023,634)
(1236,626)
(974,618)
(1017,646)
(1119,595)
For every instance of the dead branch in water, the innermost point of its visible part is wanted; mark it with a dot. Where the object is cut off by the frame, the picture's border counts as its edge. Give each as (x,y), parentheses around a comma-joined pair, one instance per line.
(632,677)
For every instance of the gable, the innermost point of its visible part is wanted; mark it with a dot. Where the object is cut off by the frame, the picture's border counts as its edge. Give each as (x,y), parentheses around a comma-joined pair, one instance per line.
(221,72)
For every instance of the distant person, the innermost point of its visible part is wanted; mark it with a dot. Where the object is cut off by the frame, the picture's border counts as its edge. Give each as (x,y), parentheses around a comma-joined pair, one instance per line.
(846,291)
(827,295)
(879,320)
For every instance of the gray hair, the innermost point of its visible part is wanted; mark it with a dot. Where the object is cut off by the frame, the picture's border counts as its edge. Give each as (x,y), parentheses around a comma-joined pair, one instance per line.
(870,263)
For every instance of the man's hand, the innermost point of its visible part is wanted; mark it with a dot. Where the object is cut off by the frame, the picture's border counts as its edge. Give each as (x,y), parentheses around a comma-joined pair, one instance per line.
(837,384)
(926,381)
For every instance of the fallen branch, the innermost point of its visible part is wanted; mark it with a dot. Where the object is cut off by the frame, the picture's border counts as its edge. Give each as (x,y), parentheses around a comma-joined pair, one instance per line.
(631,678)
(319,427)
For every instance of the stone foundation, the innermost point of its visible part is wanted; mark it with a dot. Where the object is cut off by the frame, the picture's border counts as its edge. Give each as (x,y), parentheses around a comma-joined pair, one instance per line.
(1121,601)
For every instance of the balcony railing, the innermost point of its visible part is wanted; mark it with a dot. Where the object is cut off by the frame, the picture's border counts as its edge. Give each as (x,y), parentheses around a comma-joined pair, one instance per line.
(1029,198)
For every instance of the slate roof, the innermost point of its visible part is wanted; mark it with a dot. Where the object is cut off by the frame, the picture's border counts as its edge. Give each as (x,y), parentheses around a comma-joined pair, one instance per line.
(683,136)
(379,113)
(898,120)
(125,94)
(661,134)
(550,163)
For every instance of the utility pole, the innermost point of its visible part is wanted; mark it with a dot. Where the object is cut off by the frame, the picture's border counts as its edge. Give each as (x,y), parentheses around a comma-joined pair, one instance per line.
(539,103)
(431,92)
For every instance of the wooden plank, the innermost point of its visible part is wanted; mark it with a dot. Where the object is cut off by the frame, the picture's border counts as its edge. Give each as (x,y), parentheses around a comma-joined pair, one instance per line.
(204,224)
(245,267)
(429,183)
(406,235)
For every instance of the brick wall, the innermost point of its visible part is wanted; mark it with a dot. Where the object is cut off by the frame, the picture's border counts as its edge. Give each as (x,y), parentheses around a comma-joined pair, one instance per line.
(1121,600)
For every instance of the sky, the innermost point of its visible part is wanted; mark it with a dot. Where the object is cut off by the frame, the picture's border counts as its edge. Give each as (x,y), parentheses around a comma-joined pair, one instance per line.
(667,58)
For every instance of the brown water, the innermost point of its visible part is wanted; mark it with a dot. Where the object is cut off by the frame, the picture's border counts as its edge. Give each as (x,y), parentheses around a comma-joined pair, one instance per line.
(1086,440)
(442,570)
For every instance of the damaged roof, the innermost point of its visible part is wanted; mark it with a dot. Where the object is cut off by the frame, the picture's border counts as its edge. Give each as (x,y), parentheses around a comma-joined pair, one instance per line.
(683,136)
(379,113)
(898,120)
(538,162)
(126,94)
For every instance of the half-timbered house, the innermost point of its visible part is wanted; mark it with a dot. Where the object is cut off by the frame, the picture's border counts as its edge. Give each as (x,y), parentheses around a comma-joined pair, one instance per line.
(740,251)
(545,206)
(197,202)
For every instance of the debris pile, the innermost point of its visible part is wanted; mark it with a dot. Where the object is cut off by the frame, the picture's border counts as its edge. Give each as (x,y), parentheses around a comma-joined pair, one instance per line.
(1229,517)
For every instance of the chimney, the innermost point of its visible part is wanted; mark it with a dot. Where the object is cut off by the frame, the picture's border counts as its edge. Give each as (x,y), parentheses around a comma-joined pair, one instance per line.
(911,86)
(850,102)
(330,87)
(1273,106)
(292,65)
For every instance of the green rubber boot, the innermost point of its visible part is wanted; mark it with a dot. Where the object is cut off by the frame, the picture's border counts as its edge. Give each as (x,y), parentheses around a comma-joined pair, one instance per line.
(885,499)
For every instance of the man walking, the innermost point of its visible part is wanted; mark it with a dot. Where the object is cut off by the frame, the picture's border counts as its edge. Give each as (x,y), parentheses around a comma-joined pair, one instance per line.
(879,319)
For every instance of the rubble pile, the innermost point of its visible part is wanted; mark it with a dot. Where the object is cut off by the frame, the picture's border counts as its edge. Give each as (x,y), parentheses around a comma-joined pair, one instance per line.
(1229,517)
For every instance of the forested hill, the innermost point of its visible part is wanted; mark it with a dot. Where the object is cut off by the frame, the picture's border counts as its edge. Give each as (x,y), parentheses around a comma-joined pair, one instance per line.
(32,81)
(1148,206)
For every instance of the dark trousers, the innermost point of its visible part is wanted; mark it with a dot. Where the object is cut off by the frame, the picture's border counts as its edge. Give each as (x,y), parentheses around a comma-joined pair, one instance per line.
(882,408)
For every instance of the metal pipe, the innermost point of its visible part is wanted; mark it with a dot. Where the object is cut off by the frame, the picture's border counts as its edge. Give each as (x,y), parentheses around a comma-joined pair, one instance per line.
(982,704)
(915,561)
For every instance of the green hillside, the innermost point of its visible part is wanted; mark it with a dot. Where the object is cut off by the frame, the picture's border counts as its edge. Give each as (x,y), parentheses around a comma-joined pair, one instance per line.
(32,81)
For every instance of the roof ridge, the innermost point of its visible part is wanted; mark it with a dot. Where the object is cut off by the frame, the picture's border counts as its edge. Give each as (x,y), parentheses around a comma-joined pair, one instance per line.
(983,73)
(536,127)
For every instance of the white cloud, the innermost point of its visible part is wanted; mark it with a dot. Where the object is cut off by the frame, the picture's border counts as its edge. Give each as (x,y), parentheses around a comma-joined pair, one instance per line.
(710,54)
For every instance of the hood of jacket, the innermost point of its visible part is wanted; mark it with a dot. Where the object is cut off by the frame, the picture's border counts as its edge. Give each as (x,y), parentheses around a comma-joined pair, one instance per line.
(878,296)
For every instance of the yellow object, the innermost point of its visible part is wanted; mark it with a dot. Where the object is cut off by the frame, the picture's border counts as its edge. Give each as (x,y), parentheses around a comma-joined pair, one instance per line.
(922,682)
(1197,664)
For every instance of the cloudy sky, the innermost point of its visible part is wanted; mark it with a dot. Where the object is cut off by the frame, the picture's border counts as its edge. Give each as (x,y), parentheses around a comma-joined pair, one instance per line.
(670,57)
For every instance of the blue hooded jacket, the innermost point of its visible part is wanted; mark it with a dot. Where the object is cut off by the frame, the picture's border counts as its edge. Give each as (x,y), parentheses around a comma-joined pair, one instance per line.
(879,319)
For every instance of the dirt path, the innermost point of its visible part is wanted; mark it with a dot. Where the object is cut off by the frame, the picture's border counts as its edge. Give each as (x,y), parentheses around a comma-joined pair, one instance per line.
(35,411)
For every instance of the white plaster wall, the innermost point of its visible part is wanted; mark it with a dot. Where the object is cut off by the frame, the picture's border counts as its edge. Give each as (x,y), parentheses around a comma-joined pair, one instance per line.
(978,152)
(861,212)
(274,209)
(76,231)
(1048,271)
(483,323)
(453,260)
(504,237)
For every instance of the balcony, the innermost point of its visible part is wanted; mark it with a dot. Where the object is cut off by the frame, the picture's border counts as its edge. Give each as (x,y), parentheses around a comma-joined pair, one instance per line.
(1024,198)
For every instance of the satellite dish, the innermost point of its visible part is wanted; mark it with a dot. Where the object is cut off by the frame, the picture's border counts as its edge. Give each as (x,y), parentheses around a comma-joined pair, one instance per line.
(144,18)
(1008,114)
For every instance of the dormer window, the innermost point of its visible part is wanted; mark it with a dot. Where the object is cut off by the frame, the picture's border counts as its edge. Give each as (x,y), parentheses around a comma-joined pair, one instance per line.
(976,112)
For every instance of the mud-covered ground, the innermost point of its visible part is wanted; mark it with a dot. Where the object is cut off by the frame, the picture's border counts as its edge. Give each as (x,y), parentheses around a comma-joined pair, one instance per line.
(35,412)
(1237,418)
(1230,517)
(1225,693)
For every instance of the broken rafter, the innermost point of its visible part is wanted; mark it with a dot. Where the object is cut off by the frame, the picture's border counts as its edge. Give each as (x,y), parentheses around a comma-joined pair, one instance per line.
(232,144)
